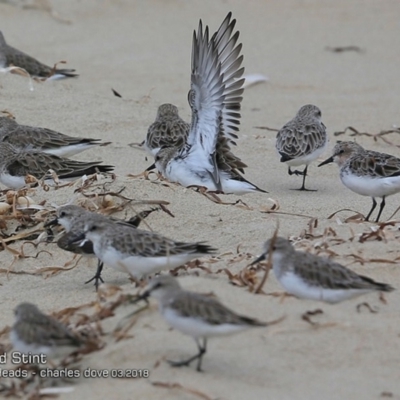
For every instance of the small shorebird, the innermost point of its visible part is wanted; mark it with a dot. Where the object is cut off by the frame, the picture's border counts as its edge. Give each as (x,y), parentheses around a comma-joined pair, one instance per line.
(16,164)
(367,172)
(73,219)
(9,56)
(38,333)
(308,276)
(137,252)
(196,315)
(215,98)
(43,139)
(302,140)
(169,129)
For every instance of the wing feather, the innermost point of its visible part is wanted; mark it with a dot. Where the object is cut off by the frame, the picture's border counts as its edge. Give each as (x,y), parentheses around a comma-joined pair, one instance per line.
(216,90)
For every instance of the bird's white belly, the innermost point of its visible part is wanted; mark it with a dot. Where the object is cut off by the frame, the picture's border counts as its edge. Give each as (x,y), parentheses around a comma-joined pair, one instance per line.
(139,266)
(12,182)
(308,158)
(194,175)
(189,175)
(373,187)
(25,348)
(198,328)
(70,150)
(55,77)
(294,285)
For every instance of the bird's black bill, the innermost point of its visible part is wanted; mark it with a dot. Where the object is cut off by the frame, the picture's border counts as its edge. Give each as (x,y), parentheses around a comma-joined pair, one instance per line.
(152,166)
(259,259)
(327,161)
(53,222)
(144,296)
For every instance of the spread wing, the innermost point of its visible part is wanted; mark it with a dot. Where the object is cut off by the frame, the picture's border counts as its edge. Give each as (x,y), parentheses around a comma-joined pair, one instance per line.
(230,59)
(216,90)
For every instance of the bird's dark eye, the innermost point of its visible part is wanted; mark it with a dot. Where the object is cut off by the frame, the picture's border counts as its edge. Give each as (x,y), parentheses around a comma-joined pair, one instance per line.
(93,228)
(157,285)
(341,151)
(62,214)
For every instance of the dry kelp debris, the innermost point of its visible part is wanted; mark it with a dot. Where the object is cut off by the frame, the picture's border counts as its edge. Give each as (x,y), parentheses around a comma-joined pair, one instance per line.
(194,264)
(266,128)
(20,214)
(357,217)
(275,210)
(100,199)
(121,330)
(22,217)
(248,276)
(152,176)
(372,310)
(378,232)
(381,135)
(309,317)
(309,314)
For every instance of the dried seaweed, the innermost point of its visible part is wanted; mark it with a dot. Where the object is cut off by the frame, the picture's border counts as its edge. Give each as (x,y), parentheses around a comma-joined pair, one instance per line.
(354,218)
(377,232)
(121,330)
(266,128)
(273,211)
(191,265)
(247,277)
(381,135)
(308,314)
(372,310)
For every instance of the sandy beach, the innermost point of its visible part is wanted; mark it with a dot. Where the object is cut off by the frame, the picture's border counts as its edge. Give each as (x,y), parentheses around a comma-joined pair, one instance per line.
(142,50)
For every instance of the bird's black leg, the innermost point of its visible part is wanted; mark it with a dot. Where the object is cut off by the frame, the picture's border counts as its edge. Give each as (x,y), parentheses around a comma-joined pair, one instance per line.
(373,208)
(296,172)
(198,356)
(97,277)
(381,207)
(202,351)
(304,173)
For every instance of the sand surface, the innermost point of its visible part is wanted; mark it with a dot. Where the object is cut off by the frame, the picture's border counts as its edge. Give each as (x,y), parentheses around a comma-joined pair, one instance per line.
(142,50)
